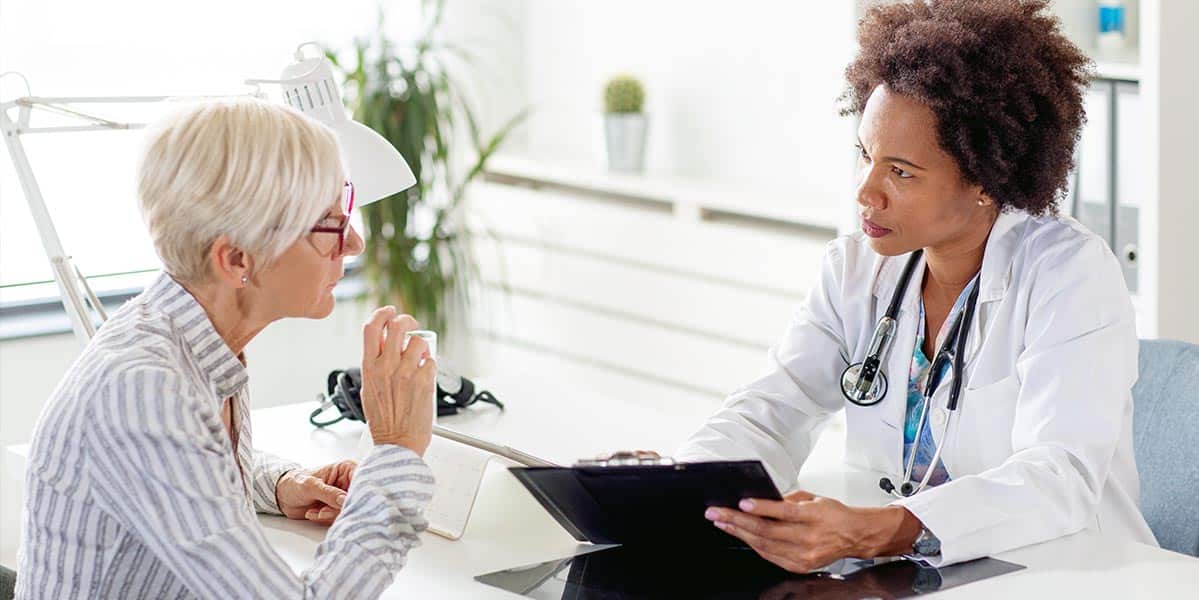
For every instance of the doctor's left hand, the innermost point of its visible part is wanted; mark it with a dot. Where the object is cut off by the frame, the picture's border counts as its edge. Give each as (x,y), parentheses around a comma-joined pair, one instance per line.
(315,495)
(804,532)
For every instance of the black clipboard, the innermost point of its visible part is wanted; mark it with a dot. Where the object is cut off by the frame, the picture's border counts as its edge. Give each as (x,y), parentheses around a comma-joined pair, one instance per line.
(647,504)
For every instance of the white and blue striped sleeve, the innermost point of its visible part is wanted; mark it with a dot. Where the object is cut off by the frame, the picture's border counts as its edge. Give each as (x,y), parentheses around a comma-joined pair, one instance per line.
(161,467)
(267,470)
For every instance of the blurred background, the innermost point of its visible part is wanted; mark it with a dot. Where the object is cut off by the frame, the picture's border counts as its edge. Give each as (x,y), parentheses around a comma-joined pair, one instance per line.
(628,196)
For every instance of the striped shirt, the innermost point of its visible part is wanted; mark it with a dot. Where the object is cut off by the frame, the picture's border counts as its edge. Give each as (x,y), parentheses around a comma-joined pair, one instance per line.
(135,490)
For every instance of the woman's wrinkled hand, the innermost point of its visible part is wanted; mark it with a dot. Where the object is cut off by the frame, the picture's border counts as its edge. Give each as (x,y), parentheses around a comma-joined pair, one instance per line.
(397,381)
(315,495)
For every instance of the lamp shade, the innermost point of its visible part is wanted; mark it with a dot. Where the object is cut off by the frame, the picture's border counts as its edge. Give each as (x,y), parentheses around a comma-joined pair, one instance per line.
(375,166)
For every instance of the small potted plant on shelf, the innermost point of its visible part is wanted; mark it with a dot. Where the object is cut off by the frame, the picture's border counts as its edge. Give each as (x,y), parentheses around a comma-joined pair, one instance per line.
(625,124)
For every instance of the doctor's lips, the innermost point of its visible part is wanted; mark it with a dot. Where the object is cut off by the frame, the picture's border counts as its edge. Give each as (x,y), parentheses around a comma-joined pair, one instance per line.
(873,230)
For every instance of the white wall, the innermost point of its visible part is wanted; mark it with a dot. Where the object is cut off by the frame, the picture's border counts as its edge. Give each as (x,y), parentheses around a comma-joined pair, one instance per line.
(493,32)
(743,93)
(1171,88)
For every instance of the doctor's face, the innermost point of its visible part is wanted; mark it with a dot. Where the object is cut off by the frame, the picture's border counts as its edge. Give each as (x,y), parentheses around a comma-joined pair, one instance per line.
(911,193)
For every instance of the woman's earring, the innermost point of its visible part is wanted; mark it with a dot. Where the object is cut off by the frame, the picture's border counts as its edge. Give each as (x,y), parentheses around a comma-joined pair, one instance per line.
(981,202)
(245,279)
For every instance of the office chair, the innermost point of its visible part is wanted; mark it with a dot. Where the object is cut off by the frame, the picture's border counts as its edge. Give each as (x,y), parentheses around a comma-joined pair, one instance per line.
(1165,427)
(8,583)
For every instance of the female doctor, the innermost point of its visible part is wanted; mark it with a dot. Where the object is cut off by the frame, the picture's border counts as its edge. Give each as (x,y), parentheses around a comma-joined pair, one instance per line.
(982,346)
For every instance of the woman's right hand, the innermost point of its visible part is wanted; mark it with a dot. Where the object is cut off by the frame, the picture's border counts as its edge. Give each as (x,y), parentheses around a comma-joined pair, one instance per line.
(397,390)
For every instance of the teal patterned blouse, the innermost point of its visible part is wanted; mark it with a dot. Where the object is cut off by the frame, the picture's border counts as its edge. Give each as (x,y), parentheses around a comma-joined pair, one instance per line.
(917,378)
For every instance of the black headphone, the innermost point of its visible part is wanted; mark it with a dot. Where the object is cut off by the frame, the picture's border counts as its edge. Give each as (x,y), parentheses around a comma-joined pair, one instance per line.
(343,389)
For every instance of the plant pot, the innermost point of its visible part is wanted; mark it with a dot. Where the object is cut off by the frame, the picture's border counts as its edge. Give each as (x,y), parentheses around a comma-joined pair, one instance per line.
(625,136)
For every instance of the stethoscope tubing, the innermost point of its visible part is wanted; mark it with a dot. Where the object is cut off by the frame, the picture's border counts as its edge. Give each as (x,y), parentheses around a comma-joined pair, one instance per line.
(952,350)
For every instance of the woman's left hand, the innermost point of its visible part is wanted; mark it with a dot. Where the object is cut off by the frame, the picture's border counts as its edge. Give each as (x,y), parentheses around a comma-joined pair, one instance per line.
(803,532)
(315,495)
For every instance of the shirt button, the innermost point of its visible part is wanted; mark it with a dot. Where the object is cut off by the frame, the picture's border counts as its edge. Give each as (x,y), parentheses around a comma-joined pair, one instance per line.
(938,416)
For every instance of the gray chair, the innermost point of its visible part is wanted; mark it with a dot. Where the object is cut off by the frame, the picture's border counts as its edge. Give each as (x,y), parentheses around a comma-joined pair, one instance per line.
(1165,427)
(8,583)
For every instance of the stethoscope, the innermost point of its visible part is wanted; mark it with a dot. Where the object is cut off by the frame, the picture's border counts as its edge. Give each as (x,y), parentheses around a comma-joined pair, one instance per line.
(864,384)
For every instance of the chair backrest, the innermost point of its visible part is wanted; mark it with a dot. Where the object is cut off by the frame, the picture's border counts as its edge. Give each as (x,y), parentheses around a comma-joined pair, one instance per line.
(1166,439)
(8,583)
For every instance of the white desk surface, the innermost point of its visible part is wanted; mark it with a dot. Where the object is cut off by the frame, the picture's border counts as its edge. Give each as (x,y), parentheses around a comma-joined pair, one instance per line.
(508,528)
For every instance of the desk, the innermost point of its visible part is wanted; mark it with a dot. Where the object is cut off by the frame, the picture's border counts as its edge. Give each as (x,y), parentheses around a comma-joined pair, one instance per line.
(508,527)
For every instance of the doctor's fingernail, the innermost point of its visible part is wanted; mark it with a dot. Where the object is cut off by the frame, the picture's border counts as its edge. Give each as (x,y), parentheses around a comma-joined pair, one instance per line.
(341,499)
(721,525)
(711,514)
(746,505)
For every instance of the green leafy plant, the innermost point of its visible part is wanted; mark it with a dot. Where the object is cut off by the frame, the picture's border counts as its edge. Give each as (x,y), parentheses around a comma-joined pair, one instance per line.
(418,254)
(623,94)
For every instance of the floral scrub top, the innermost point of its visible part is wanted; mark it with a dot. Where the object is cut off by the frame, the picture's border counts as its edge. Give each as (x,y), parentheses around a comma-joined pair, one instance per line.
(917,378)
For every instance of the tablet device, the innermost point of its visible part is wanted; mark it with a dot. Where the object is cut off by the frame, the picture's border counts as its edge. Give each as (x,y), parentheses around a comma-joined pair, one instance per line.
(632,573)
(646,504)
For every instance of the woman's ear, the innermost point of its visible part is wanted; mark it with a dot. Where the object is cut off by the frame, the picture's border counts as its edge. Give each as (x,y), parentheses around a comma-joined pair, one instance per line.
(230,264)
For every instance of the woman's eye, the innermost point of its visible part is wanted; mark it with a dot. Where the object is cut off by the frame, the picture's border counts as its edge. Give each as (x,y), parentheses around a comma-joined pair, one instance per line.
(901,173)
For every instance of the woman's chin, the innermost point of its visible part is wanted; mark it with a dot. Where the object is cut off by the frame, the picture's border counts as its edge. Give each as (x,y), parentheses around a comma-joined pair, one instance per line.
(884,247)
(891,245)
(324,307)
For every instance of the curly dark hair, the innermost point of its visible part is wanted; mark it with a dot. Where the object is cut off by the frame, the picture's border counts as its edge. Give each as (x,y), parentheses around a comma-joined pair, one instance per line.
(1005,85)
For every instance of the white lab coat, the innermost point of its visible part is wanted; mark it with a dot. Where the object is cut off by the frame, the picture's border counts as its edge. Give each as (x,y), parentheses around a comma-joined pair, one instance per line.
(1042,443)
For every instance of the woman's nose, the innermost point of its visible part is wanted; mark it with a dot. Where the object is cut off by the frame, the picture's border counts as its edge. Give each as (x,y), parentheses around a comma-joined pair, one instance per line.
(354,243)
(870,193)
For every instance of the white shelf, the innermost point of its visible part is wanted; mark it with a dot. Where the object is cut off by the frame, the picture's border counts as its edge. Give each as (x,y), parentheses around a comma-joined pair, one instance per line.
(1121,70)
(694,198)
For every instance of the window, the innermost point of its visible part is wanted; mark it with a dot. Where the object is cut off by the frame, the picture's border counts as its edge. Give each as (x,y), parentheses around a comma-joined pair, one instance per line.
(123,48)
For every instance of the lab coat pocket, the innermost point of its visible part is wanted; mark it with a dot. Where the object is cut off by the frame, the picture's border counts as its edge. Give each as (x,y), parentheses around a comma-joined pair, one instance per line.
(981,439)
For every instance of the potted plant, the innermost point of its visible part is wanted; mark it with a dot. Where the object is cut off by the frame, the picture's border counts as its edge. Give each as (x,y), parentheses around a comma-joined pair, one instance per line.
(625,124)
(418,253)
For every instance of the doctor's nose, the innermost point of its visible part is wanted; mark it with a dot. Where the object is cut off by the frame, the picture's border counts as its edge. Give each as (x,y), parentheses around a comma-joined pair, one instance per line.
(869,194)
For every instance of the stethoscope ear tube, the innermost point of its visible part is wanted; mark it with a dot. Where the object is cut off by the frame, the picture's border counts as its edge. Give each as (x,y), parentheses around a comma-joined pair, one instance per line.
(904,279)
(959,358)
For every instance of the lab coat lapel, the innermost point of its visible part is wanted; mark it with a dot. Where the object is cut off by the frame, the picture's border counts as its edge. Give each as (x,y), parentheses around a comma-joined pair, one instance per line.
(995,276)
(993,283)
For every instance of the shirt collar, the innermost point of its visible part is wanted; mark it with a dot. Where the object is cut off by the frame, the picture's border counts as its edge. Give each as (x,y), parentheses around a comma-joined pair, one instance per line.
(996,267)
(219,367)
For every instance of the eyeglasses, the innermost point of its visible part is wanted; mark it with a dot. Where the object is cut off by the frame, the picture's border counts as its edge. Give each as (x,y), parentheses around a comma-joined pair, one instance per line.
(347,204)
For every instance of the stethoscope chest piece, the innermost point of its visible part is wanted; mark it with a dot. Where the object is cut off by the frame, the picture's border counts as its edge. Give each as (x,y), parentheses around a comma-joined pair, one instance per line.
(850,379)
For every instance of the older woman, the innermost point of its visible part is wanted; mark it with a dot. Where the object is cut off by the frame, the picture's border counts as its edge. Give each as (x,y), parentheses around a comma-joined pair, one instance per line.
(143,480)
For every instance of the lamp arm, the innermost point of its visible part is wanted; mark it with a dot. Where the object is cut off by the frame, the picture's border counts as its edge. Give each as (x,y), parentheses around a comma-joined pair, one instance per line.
(82,305)
(65,275)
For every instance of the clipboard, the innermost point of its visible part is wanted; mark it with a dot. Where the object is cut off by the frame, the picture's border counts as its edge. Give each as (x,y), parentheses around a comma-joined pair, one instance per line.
(647,504)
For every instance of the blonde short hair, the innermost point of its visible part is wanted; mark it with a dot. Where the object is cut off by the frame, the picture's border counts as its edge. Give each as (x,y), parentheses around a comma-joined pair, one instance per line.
(260,173)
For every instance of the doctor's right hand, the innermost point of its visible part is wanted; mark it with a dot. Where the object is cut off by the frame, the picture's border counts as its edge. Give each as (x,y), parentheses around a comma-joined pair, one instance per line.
(397,389)
(804,532)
